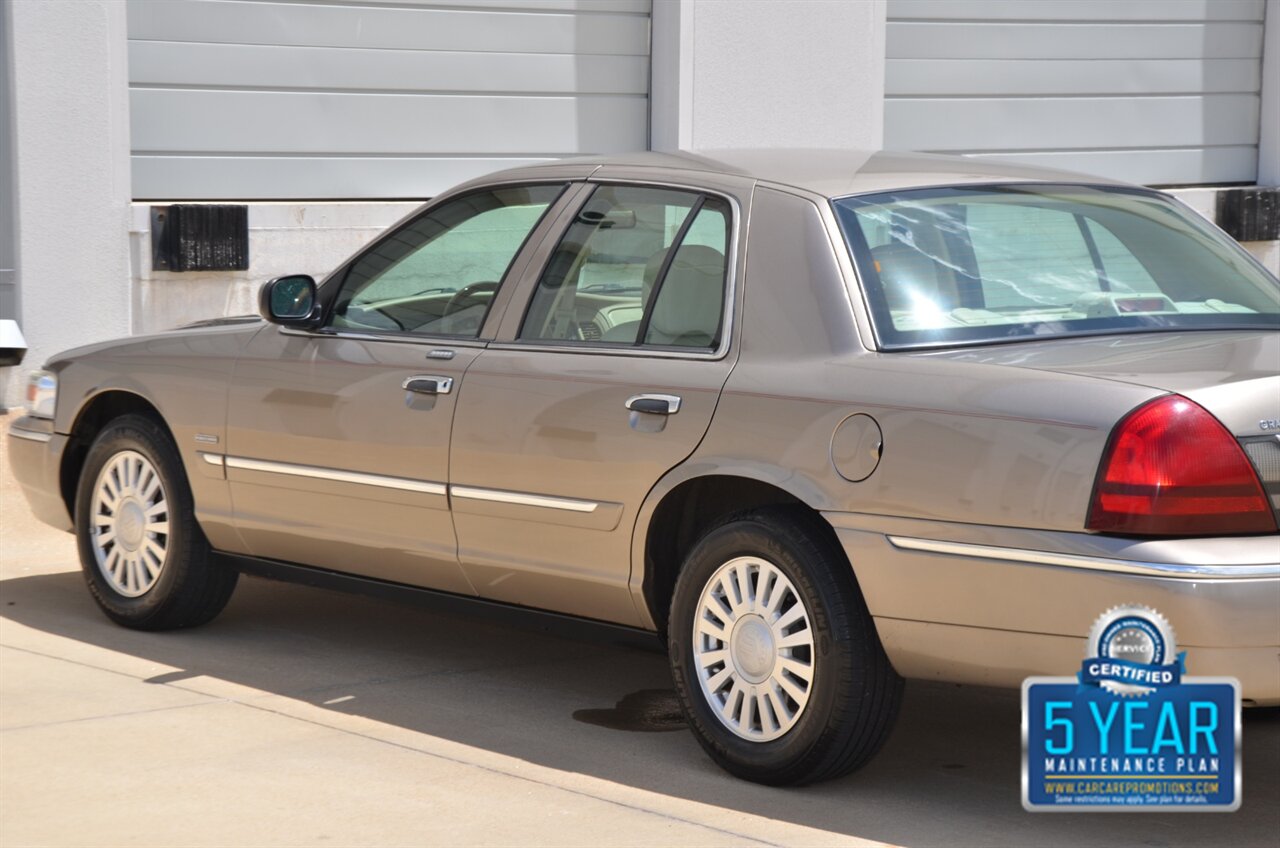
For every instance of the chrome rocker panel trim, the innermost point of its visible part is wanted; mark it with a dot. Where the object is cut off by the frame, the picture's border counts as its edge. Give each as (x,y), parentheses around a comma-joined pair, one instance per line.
(500,496)
(335,474)
(1120,566)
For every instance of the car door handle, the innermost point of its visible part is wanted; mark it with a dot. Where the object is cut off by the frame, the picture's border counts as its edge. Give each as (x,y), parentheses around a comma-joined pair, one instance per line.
(657,404)
(425,384)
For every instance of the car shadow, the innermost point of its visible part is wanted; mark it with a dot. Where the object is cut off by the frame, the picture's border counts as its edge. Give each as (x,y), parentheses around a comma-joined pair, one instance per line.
(948,775)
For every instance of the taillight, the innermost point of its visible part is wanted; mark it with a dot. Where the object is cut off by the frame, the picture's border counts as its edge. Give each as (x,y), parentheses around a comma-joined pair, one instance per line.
(1172,469)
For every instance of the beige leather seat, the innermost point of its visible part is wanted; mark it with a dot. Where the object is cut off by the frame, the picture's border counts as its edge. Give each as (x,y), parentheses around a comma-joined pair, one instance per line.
(691,299)
(687,313)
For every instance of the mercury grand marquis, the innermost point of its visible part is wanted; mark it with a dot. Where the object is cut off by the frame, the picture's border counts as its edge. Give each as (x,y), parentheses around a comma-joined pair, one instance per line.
(821,420)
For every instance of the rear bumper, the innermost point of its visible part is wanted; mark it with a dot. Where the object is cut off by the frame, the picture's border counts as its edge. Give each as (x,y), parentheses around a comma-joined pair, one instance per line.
(35,455)
(993,605)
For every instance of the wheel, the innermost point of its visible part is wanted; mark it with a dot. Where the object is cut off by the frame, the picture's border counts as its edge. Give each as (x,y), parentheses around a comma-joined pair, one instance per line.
(147,563)
(774,656)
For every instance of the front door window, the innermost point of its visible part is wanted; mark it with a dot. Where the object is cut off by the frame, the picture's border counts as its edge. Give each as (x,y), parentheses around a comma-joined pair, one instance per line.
(438,274)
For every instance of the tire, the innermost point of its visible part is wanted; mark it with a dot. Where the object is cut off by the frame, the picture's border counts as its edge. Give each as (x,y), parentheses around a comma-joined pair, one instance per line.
(782,730)
(144,557)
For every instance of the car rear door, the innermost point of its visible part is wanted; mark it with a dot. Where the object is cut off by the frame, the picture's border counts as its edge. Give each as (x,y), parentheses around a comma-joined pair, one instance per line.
(605,375)
(337,439)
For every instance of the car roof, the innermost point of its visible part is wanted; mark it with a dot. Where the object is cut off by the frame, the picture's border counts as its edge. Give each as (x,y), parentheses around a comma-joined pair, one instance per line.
(831,173)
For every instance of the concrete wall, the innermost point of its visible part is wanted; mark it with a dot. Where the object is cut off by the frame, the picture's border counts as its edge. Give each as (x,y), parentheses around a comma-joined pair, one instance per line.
(70,113)
(767,73)
(1269,136)
(8,207)
(284,238)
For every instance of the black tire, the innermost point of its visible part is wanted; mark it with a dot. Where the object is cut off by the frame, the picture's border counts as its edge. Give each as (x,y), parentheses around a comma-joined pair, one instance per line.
(192,586)
(855,692)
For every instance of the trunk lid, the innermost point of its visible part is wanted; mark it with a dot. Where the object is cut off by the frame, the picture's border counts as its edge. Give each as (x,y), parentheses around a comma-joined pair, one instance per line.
(1234,375)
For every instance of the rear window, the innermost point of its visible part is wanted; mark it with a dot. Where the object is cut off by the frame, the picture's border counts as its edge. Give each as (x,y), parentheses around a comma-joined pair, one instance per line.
(1002,263)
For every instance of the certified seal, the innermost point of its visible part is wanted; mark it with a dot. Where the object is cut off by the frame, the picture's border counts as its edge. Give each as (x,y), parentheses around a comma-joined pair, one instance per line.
(1131,651)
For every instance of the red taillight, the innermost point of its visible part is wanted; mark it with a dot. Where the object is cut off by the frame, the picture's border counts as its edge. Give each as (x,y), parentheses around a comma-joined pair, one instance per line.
(1172,469)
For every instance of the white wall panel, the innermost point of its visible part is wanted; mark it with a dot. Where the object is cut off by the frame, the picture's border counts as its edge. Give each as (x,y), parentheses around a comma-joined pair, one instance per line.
(169,64)
(1147,167)
(991,40)
(1068,77)
(243,177)
(260,99)
(389,27)
(1158,92)
(1011,123)
(1077,10)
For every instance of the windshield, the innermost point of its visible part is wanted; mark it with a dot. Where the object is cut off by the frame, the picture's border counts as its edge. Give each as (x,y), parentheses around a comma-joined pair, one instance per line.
(1003,263)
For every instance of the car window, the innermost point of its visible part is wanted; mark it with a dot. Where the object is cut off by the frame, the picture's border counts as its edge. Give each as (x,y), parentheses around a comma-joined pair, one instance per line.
(639,265)
(987,263)
(1123,270)
(438,274)
(689,302)
(1026,256)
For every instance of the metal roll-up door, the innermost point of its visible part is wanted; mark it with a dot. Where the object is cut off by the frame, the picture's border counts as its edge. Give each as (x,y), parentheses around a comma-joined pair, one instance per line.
(277,99)
(1162,92)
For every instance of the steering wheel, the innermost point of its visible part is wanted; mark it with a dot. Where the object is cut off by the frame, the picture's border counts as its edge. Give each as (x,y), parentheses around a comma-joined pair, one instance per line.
(469,295)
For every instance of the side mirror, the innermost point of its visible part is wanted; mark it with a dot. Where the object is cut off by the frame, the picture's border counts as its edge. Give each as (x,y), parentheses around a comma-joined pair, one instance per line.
(289,301)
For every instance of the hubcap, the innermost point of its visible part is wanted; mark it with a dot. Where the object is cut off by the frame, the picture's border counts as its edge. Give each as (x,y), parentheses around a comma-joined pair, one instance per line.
(130,524)
(753,649)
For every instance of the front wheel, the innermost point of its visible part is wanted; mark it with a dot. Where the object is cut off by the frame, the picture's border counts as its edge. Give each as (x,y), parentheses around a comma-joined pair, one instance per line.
(776,660)
(145,559)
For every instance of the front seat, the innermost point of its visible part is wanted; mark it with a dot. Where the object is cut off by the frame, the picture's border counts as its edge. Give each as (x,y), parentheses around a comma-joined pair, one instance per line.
(626,332)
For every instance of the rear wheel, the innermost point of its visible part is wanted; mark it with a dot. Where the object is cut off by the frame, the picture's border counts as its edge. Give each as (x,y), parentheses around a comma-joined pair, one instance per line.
(146,561)
(774,655)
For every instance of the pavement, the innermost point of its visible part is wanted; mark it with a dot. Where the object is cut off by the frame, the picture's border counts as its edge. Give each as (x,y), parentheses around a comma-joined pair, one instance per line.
(308,717)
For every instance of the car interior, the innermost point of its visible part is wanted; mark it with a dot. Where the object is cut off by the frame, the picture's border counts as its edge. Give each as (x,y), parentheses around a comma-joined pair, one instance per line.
(614,276)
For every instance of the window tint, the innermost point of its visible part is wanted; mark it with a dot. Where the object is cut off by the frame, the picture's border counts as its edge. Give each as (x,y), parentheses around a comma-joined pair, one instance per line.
(605,281)
(438,274)
(1027,255)
(1122,269)
(986,263)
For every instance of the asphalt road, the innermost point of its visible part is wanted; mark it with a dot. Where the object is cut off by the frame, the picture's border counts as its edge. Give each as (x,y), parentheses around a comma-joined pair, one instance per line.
(307,717)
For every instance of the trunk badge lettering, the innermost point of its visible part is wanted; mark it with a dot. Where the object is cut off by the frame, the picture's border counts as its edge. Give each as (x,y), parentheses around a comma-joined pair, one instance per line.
(1269,424)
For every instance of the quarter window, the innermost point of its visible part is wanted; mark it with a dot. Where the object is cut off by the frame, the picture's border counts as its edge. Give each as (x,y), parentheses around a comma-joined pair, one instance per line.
(438,274)
(638,265)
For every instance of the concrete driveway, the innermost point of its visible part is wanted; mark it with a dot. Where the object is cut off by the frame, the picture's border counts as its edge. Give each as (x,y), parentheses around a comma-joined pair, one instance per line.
(306,717)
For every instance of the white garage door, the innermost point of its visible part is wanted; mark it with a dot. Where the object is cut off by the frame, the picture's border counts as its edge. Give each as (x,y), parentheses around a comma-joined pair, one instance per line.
(249,99)
(1162,92)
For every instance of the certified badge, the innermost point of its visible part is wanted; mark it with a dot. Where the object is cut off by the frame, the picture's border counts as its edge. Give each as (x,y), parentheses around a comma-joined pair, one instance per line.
(1131,731)
(1132,652)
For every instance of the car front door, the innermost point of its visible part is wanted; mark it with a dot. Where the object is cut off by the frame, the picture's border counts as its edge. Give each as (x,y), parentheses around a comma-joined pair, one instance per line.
(337,439)
(603,377)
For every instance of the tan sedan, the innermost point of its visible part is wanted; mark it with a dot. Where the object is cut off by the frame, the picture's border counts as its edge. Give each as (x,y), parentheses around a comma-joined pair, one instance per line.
(822,420)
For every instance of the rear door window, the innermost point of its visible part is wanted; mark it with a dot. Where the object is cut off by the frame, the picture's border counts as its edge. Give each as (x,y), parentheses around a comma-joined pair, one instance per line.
(638,266)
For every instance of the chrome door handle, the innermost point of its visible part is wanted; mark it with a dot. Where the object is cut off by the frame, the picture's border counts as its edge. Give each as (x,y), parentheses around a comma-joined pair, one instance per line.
(425,384)
(657,404)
